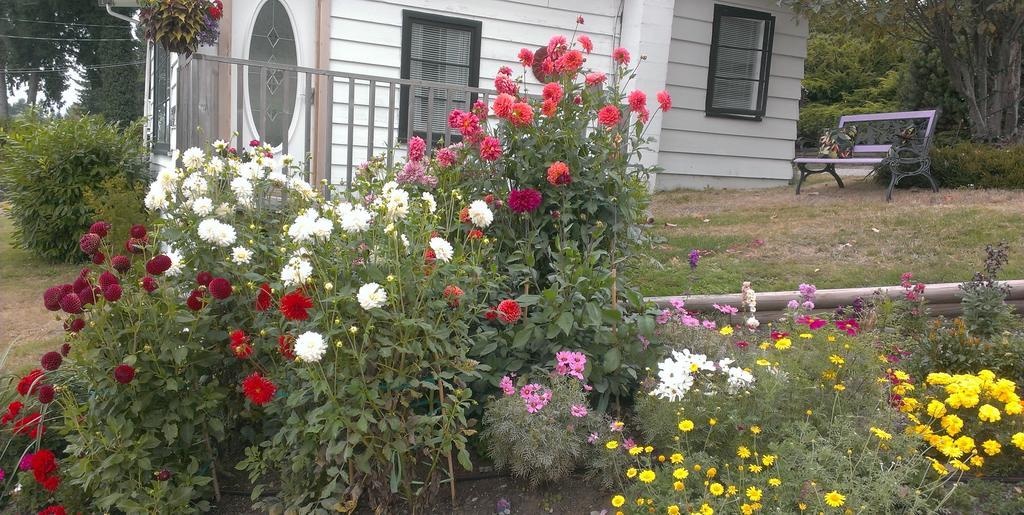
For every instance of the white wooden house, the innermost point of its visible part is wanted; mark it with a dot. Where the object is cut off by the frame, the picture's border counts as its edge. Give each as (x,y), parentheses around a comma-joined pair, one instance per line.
(332,78)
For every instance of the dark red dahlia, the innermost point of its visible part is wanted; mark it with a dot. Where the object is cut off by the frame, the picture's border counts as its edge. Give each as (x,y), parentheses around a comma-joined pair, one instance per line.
(254,143)
(30,383)
(100,228)
(285,346)
(74,325)
(509,311)
(51,298)
(196,300)
(112,292)
(220,288)
(524,201)
(51,360)
(149,284)
(87,295)
(81,283)
(240,344)
(263,298)
(136,245)
(138,231)
(67,288)
(12,412)
(121,263)
(294,305)
(491,314)
(258,389)
(124,373)
(89,243)
(158,265)
(65,349)
(46,393)
(204,278)
(163,475)
(98,258)
(106,279)
(43,464)
(53,510)
(71,303)
(29,425)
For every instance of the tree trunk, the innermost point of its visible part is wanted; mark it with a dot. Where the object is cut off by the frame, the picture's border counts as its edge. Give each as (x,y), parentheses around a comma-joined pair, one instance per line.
(5,109)
(33,88)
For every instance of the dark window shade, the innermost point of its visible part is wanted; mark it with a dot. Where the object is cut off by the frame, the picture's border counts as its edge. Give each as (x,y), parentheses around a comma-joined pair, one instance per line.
(437,49)
(161,130)
(738,71)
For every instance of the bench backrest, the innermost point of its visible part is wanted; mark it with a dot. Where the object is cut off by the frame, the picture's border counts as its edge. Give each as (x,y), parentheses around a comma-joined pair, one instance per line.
(877,132)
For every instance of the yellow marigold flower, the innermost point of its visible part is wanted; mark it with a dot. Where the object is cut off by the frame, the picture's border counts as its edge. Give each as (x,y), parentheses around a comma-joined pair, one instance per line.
(938,467)
(686,426)
(672,510)
(706,510)
(775,482)
(756,469)
(1013,408)
(836,360)
(635,451)
(965,444)
(831,338)
(712,421)
(711,472)
(640,501)
(1018,440)
(768,460)
(661,458)
(835,499)
(939,378)
(678,485)
(909,404)
(676,458)
(680,473)
(952,424)
(725,331)
(753,493)
(696,468)
(988,413)
(647,476)
(783,343)
(959,465)
(731,490)
(716,489)
(839,387)
(882,435)
(618,501)
(936,408)
(612,444)
(631,472)
(977,461)
(746,509)
(763,362)
(991,447)
(743,452)
(648,449)
(806,336)
(901,375)
(755,429)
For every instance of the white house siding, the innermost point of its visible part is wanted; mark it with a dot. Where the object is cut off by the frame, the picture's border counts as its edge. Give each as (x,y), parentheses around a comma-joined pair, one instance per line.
(699,151)
(366,38)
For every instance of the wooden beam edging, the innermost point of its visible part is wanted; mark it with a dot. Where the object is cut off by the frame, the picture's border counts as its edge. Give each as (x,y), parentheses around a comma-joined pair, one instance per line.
(943,298)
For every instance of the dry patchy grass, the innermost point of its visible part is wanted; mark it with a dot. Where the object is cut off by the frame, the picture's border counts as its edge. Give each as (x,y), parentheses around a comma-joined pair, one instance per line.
(828,236)
(27,329)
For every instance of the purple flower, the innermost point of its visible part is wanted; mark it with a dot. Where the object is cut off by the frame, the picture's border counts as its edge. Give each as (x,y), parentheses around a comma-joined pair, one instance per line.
(709,324)
(664,317)
(26,462)
(628,443)
(808,305)
(694,258)
(571,364)
(793,304)
(678,305)
(807,291)
(535,396)
(690,321)
(592,438)
(578,410)
(726,309)
(644,340)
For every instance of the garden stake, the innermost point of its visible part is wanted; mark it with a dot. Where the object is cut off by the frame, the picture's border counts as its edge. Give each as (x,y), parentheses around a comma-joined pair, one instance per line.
(451,468)
(213,467)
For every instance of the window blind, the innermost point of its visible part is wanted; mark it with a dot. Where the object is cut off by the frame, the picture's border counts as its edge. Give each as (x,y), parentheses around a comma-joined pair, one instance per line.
(740,57)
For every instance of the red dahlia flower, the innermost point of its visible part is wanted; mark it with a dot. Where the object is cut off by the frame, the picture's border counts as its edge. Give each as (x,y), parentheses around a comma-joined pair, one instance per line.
(158,265)
(504,84)
(204,278)
(112,292)
(30,383)
(196,300)
(89,243)
(29,425)
(240,344)
(51,360)
(138,231)
(524,201)
(526,57)
(502,105)
(621,56)
(149,284)
(548,108)
(106,279)
(220,288)
(121,263)
(665,100)
(586,43)
(215,13)
(98,258)
(100,228)
(163,475)
(87,295)
(258,389)
(74,325)
(124,373)
(553,91)
(475,234)
(51,298)
(480,109)
(522,114)
(295,304)
(254,143)
(558,174)
(263,297)
(285,346)
(46,393)
(12,412)
(609,115)
(490,149)
(53,510)
(71,303)
(509,311)
(453,294)
(464,216)
(637,101)
(571,62)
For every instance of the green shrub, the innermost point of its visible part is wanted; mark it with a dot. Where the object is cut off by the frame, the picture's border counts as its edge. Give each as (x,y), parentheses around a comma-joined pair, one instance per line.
(814,117)
(48,165)
(971,165)
(118,201)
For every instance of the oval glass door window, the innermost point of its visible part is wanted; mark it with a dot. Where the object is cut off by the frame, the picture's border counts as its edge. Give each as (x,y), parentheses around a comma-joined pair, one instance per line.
(271,91)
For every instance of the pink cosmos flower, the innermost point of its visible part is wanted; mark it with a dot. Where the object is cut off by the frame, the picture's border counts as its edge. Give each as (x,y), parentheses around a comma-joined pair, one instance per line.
(571,364)
(637,101)
(592,439)
(665,100)
(628,443)
(595,78)
(526,57)
(664,317)
(621,56)
(616,426)
(726,309)
(586,43)
(850,326)
(709,324)
(578,410)
(690,321)
(507,386)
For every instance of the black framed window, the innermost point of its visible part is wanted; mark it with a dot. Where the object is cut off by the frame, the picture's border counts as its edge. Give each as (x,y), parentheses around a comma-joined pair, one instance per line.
(741,56)
(438,49)
(161,95)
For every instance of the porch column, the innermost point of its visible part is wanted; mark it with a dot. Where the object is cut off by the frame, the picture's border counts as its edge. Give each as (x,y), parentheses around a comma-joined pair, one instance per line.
(322,126)
(226,79)
(647,30)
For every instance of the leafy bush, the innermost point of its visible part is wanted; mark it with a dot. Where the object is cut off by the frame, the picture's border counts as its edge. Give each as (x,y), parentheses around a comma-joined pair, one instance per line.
(985,311)
(969,164)
(48,165)
(539,433)
(118,202)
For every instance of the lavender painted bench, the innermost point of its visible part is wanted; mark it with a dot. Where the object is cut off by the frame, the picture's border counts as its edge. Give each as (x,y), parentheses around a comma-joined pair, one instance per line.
(877,134)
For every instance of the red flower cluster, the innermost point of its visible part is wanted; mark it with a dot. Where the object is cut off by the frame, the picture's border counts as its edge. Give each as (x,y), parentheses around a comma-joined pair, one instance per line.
(524,200)
(452,294)
(241,345)
(294,305)
(30,383)
(558,174)
(12,412)
(30,425)
(258,389)
(609,115)
(124,374)
(158,265)
(44,468)
(509,311)
(53,510)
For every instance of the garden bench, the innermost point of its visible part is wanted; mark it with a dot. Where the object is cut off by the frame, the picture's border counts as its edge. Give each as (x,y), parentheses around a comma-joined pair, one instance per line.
(877,134)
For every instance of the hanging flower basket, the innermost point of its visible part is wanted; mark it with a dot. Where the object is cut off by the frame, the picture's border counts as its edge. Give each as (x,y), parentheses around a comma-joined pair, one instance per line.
(181,26)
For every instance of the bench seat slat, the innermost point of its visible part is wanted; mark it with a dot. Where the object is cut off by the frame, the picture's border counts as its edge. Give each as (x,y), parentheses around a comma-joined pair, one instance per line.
(851,160)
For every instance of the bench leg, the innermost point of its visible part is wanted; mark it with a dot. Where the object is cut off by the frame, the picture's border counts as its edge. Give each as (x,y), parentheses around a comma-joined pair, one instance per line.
(805,172)
(893,179)
(832,171)
(928,174)
(803,176)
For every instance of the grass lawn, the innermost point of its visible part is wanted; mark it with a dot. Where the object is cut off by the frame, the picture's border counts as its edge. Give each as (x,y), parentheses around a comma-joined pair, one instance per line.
(830,237)
(27,329)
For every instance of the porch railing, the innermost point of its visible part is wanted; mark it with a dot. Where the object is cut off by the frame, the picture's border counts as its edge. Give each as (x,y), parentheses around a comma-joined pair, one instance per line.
(338,119)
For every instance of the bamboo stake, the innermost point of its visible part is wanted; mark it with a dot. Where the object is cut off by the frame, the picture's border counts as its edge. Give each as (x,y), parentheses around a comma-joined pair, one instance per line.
(451,467)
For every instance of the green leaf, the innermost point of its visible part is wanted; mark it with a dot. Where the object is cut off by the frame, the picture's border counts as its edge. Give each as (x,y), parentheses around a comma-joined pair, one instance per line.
(170,432)
(612,359)
(523,336)
(565,321)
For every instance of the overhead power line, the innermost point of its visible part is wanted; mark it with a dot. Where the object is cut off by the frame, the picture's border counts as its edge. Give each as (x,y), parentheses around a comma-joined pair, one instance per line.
(67,24)
(65,39)
(74,68)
